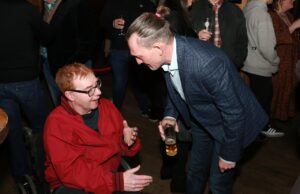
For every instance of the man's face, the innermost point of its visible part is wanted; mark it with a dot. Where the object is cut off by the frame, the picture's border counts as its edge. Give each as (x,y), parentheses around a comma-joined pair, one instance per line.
(151,57)
(82,102)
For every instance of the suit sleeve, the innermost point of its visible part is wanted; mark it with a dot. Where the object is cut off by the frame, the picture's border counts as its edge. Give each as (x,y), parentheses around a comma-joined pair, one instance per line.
(170,109)
(217,80)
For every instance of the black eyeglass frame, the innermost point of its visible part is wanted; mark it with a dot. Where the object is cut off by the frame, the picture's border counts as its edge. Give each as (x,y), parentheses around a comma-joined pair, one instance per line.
(91,91)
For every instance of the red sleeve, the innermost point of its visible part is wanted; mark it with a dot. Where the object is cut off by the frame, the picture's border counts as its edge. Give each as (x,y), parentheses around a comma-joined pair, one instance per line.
(69,165)
(132,150)
(113,115)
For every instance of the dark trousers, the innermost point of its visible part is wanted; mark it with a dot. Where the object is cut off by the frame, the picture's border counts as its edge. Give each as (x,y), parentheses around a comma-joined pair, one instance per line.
(119,60)
(204,166)
(123,64)
(26,97)
(262,88)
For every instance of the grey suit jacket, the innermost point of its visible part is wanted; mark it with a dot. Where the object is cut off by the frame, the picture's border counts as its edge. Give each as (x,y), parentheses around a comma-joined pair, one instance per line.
(216,97)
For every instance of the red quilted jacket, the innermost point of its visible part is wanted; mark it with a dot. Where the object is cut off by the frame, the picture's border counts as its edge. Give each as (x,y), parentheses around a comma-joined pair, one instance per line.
(79,157)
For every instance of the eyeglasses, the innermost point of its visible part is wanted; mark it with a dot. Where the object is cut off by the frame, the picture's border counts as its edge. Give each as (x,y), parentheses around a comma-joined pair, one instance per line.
(91,91)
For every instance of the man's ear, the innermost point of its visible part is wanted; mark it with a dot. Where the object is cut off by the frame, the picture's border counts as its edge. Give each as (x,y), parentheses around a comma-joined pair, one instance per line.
(69,95)
(158,47)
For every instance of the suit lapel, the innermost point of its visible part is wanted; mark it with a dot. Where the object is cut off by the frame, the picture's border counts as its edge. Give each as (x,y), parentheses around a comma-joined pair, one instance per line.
(180,61)
(178,102)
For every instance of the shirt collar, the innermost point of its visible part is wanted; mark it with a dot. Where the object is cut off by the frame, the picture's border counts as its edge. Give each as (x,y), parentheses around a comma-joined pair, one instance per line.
(173,67)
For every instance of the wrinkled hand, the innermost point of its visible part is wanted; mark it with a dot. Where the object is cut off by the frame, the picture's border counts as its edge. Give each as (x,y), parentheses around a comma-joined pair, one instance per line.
(134,182)
(119,23)
(162,125)
(204,35)
(223,166)
(130,133)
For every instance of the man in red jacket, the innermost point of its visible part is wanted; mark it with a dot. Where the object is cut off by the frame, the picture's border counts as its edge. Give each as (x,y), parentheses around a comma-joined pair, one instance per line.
(85,138)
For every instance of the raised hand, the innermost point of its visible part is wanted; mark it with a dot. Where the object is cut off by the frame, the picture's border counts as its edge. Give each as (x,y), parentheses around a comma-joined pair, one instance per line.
(118,23)
(130,133)
(204,35)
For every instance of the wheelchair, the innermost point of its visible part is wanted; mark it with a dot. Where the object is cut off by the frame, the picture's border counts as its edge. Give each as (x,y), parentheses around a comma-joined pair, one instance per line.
(28,187)
(30,182)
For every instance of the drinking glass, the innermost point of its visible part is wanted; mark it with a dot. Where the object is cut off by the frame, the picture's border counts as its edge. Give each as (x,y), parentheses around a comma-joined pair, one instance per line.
(207,24)
(170,141)
(121,30)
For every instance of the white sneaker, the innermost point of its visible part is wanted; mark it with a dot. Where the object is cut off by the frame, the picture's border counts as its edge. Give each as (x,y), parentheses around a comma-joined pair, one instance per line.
(271,132)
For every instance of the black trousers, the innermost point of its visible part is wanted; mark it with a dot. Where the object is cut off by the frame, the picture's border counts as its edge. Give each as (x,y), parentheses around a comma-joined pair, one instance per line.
(262,88)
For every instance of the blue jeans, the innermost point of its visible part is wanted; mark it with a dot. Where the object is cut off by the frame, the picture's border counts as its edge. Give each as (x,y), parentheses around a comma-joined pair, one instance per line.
(26,97)
(203,166)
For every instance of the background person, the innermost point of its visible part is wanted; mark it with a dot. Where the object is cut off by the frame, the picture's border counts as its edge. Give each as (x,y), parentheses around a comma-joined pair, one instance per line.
(116,17)
(284,81)
(262,60)
(229,33)
(21,93)
(74,41)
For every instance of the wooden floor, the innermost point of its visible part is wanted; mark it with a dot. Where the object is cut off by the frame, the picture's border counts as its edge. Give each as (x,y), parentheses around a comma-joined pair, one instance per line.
(270,166)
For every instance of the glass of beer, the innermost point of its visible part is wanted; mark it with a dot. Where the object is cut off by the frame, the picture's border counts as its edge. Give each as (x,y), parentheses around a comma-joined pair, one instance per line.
(170,141)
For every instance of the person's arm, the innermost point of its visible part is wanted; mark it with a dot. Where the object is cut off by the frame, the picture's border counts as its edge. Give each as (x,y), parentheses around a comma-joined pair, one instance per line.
(267,40)
(130,143)
(219,84)
(134,182)
(170,110)
(295,25)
